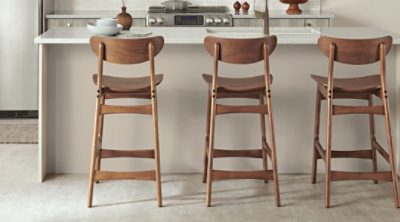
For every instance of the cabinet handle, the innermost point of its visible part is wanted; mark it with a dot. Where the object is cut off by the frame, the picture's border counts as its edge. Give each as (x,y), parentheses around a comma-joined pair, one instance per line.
(309,24)
(69,24)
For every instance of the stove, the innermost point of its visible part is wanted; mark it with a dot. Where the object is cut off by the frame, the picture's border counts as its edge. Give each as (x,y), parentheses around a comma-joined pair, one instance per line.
(194,16)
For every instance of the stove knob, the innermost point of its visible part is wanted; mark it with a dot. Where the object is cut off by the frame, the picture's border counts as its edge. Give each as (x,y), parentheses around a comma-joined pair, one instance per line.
(226,20)
(217,20)
(209,21)
(160,21)
(152,21)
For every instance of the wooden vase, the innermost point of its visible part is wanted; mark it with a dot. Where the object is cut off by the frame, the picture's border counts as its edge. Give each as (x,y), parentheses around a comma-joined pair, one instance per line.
(124,19)
(237,6)
(245,7)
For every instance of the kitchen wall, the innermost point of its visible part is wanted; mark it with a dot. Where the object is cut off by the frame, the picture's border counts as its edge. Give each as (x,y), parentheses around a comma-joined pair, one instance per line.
(380,14)
(67,5)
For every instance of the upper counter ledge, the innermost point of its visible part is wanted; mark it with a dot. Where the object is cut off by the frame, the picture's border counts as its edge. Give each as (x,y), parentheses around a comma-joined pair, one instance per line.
(180,35)
(94,14)
(142,14)
(280,14)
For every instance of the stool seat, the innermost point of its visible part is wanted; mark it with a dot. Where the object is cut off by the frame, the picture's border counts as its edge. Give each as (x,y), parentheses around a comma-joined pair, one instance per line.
(364,84)
(247,84)
(128,85)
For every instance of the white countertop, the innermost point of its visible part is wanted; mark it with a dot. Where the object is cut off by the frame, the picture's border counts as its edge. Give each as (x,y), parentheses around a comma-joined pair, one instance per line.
(183,35)
(274,14)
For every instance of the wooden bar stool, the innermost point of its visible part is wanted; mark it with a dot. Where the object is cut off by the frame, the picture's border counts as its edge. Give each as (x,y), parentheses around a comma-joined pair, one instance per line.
(354,52)
(240,51)
(125,51)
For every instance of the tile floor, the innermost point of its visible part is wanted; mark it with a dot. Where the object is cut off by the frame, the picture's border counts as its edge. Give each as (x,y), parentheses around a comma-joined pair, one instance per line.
(63,197)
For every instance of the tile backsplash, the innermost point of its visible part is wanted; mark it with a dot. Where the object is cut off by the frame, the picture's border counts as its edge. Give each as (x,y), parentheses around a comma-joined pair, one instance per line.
(111,5)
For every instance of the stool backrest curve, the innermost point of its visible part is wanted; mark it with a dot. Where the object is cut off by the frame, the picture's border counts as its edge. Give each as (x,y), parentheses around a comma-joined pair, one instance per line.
(355,51)
(126,51)
(240,51)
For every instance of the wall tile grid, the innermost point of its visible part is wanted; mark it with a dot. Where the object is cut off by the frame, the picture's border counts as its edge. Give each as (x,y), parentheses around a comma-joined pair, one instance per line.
(104,5)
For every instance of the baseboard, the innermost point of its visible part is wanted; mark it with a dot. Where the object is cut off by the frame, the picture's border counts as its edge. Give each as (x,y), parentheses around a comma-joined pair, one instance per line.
(11,114)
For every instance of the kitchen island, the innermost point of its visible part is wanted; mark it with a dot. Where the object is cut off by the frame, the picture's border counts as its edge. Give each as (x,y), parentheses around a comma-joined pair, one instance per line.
(67,102)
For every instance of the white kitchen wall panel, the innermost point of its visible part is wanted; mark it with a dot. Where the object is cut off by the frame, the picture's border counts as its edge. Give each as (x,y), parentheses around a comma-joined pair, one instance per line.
(104,5)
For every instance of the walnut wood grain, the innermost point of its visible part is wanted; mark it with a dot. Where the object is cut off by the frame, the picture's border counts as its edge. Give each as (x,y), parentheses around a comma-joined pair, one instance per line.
(355,51)
(126,51)
(240,51)
(112,153)
(235,175)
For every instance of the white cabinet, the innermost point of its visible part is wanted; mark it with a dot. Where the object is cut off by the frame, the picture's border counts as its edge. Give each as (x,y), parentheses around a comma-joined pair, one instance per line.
(318,22)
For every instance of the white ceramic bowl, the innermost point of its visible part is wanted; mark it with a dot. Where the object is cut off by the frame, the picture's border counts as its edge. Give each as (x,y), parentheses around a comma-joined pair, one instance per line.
(106,22)
(104,30)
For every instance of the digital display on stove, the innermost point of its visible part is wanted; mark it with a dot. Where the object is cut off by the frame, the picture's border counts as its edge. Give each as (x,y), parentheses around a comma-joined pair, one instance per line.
(188,20)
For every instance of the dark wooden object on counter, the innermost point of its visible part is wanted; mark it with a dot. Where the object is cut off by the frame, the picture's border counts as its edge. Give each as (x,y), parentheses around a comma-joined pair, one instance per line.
(240,51)
(124,19)
(294,8)
(237,6)
(245,7)
(125,51)
(354,52)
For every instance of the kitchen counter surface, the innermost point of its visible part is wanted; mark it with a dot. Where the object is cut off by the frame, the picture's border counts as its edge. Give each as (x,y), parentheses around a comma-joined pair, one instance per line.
(307,35)
(142,14)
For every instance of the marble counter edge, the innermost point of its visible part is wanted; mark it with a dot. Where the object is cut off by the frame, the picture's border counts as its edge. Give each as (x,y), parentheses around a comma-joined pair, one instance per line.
(80,35)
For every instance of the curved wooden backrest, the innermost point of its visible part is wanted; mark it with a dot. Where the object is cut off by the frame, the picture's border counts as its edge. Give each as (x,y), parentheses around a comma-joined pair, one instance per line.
(126,51)
(355,51)
(240,51)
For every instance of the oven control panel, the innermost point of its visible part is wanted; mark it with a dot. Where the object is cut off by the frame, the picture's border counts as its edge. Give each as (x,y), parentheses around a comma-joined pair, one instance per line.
(188,20)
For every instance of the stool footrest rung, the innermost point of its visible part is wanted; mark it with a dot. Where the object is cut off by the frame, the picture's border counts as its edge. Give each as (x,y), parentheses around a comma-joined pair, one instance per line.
(139,175)
(380,150)
(111,109)
(267,148)
(360,154)
(320,150)
(340,110)
(232,175)
(225,109)
(252,153)
(341,175)
(107,153)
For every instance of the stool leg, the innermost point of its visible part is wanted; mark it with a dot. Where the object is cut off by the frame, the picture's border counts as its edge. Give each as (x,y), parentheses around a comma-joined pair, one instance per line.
(157,150)
(207,138)
(94,152)
(372,137)
(391,153)
(316,137)
(273,150)
(211,150)
(328,153)
(101,127)
(263,137)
